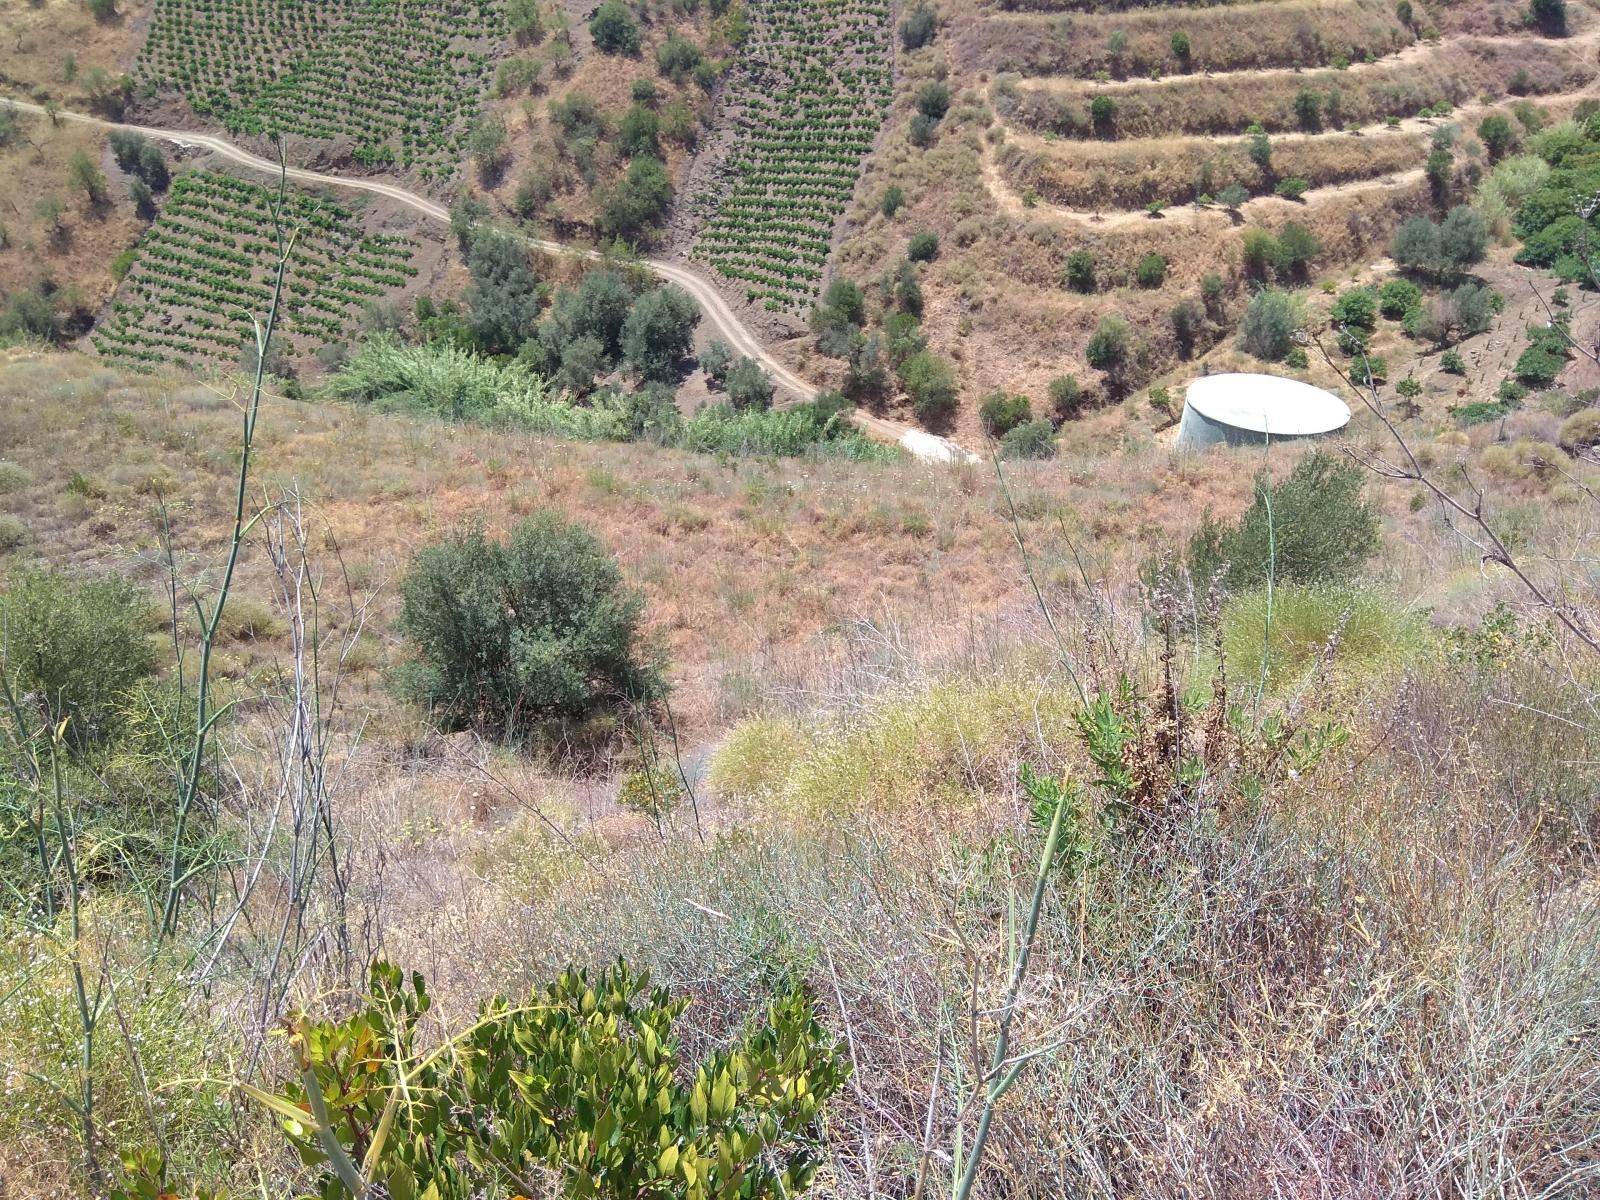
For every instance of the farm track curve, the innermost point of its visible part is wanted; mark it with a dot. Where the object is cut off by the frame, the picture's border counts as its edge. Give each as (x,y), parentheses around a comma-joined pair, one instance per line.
(918,442)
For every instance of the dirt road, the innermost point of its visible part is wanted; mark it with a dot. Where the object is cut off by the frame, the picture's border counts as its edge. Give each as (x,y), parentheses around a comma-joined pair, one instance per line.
(723,319)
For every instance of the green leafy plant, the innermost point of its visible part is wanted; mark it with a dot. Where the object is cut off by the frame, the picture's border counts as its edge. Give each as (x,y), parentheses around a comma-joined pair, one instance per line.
(582,1087)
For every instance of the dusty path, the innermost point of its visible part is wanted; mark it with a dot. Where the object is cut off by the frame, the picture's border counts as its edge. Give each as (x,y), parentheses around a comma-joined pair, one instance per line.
(923,445)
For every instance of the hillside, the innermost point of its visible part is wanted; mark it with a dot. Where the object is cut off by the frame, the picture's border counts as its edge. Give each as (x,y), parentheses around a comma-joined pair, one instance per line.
(600,598)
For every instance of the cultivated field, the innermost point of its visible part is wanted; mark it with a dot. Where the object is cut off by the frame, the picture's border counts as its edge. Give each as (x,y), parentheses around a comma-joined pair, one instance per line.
(378,83)
(806,103)
(205,269)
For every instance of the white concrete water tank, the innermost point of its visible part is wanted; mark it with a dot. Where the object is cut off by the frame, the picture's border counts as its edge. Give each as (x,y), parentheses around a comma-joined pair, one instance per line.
(1241,410)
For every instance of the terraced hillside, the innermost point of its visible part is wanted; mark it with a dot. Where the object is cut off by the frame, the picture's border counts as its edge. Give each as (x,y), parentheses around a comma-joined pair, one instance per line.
(1117,158)
(382,83)
(204,269)
(806,105)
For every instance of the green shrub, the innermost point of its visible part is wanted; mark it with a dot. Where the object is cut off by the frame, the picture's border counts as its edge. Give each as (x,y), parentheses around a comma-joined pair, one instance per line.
(638,201)
(1292,188)
(749,387)
(75,649)
(13,532)
(1066,397)
(715,361)
(12,478)
(1080,271)
(1369,633)
(1102,112)
(923,247)
(1270,322)
(510,635)
(933,99)
(581,1082)
(1315,527)
(442,380)
(1294,250)
(659,333)
(1001,412)
(1398,296)
(1452,363)
(1031,439)
(931,383)
(894,199)
(1482,412)
(1356,306)
(919,27)
(1368,369)
(1110,349)
(1151,271)
(614,29)
(1580,431)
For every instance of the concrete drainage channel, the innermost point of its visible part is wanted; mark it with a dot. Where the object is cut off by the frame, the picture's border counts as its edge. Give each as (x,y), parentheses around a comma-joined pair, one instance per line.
(916,442)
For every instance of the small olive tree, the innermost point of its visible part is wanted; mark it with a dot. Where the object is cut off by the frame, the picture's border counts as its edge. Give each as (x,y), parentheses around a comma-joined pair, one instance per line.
(513,635)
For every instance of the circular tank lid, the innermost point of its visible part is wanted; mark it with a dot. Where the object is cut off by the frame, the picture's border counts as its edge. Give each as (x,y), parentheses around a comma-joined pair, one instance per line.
(1268,404)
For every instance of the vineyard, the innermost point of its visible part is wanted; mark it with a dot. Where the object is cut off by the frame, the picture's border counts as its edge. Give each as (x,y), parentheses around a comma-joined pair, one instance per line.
(393,84)
(203,270)
(807,105)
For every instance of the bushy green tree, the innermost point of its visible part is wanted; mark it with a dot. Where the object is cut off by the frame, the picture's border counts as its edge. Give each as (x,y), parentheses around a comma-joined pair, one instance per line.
(918,28)
(933,99)
(614,29)
(659,333)
(74,649)
(510,635)
(1270,321)
(931,383)
(639,199)
(1497,135)
(1356,306)
(506,295)
(1315,527)
(1066,397)
(1110,349)
(1308,109)
(1001,412)
(1549,16)
(1295,248)
(1080,271)
(749,387)
(715,360)
(1397,297)
(1031,439)
(640,131)
(83,174)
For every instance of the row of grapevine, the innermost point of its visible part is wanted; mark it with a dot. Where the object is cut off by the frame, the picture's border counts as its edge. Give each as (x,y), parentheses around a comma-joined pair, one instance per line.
(397,82)
(202,271)
(809,99)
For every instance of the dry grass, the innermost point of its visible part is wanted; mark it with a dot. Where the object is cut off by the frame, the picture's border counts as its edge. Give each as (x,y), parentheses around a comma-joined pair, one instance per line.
(1452,73)
(34,166)
(41,35)
(1115,175)
(1234,37)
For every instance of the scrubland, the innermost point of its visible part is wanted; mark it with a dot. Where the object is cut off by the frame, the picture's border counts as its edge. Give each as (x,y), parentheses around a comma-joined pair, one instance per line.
(1352,953)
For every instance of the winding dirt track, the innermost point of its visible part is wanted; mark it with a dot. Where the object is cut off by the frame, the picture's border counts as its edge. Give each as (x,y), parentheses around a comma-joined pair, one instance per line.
(724,321)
